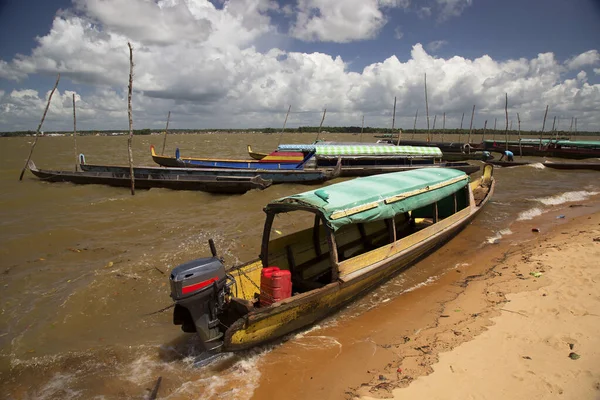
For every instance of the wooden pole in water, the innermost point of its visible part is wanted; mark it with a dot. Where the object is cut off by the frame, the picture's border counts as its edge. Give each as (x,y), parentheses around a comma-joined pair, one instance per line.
(494,134)
(506,112)
(471,126)
(484,128)
(321,124)
(75,135)
(166,130)
(443,126)
(571,128)
(130,140)
(427,108)
(543,126)
(285,122)
(461,125)
(555,130)
(38,129)
(520,148)
(362,128)
(394,115)
(415,125)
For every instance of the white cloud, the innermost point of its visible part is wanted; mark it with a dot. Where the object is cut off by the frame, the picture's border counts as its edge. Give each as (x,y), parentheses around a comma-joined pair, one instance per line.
(591,57)
(597,71)
(452,8)
(398,34)
(222,80)
(337,21)
(436,45)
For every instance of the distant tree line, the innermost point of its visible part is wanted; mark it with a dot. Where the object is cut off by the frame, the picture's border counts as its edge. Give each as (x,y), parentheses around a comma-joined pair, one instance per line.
(314,129)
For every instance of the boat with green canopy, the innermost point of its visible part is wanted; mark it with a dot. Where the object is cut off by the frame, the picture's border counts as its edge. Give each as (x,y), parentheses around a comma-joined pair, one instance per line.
(320,250)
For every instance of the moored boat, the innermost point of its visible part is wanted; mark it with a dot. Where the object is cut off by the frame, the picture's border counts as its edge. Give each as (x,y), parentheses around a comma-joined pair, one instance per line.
(256,155)
(154,179)
(274,161)
(356,234)
(275,176)
(547,148)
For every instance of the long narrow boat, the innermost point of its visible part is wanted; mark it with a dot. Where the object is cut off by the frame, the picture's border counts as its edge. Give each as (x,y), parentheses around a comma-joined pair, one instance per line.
(548,148)
(345,239)
(274,161)
(354,171)
(593,166)
(275,176)
(256,155)
(157,179)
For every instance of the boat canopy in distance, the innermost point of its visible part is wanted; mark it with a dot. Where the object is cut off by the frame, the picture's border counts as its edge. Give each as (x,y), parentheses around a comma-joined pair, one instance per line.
(363,150)
(590,144)
(376,197)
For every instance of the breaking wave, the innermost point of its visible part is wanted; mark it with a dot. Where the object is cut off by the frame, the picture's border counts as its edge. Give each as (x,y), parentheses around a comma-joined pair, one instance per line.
(566,197)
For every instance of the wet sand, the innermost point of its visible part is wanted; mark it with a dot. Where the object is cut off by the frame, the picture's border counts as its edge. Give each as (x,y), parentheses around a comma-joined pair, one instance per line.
(529,327)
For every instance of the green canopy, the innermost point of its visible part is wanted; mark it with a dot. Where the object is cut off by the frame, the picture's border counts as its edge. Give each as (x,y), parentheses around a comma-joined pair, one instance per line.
(378,197)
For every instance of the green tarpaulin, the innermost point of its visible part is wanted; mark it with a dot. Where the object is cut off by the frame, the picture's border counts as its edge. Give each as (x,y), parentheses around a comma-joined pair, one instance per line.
(378,197)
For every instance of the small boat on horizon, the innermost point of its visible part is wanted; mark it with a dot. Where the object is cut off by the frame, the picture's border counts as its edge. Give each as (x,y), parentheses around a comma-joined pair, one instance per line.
(344,240)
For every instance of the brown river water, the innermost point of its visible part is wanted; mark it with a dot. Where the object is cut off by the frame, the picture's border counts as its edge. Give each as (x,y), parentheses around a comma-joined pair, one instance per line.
(83,267)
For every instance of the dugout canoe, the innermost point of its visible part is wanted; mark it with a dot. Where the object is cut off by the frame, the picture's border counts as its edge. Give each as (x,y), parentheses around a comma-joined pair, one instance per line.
(155,179)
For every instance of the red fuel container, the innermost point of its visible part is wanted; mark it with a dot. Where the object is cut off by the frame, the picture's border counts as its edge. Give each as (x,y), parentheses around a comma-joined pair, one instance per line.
(275,285)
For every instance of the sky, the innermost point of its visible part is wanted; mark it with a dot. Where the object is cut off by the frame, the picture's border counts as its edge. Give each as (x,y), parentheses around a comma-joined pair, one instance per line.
(242,63)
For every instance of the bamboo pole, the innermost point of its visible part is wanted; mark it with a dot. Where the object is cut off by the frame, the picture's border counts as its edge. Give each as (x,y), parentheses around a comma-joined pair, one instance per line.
(321,125)
(75,135)
(461,126)
(362,128)
(38,129)
(520,147)
(484,128)
(415,125)
(471,127)
(443,126)
(494,134)
(427,108)
(506,112)
(166,130)
(434,119)
(543,126)
(130,140)
(284,123)
(554,130)
(394,115)
(571,128)
(575,125)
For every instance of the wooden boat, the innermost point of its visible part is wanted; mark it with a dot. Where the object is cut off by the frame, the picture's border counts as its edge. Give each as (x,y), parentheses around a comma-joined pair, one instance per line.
(274,161)
(594,166)
(157,179)
(357,234)
(256,155)
(275,176)
(509,163)
(473,156)
(548,148)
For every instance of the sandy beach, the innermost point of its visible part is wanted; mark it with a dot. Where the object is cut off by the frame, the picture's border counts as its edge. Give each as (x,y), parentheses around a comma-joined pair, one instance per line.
(529,327)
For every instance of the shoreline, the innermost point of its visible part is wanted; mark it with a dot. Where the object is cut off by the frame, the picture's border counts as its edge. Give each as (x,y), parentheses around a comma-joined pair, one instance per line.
(508,334)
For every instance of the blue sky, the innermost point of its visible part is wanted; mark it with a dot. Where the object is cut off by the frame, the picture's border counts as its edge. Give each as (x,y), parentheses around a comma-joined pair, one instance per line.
(239,33)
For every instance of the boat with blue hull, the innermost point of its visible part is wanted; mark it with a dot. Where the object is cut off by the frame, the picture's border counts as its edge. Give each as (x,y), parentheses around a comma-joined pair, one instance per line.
(274,161)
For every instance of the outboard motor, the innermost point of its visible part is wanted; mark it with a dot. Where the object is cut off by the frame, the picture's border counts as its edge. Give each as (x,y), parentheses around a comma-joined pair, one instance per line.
(199,289)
